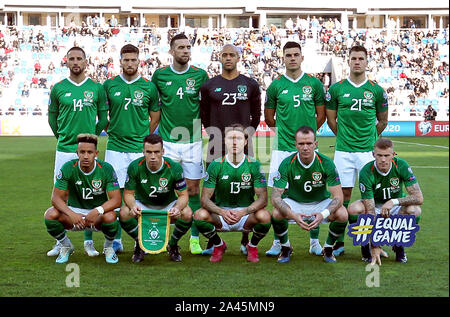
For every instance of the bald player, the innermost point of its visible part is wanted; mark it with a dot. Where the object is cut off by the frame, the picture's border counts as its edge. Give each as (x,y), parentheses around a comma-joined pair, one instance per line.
(229,98)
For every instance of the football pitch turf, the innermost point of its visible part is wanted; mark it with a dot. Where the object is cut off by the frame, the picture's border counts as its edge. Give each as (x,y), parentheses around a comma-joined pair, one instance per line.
(26,166)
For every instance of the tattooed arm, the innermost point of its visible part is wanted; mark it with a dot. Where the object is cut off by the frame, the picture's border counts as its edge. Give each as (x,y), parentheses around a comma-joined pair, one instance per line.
(415,197)
(369,206)
(284,208)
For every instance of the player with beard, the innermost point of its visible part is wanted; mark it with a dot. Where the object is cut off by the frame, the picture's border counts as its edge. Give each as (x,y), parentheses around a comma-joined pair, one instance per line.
(77,105)
(132,99)
(180,127)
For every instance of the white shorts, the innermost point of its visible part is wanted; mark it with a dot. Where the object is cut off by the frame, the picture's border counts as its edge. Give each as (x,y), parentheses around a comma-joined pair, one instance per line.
(83,212)
(237,227)
(60,159)
(189,155)
(275,160)
(308,208)
(150,207)
(394,211)
(349,164)
(120,162)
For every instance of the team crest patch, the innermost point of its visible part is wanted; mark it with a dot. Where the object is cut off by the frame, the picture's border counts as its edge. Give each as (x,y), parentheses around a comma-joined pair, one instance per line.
(328,96)
(317,176)
(163,182)
(138,94)
(362,187)
(394,181)
(246,177)
(307,90)
(242,89)
(190,82)
(96,183)
(88,95)
(368,95)
(59,176)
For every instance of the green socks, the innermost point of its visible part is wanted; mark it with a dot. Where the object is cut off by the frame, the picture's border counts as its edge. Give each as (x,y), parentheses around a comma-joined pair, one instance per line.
(335,231)
(181,227)
(195,204)
(55,229)
(131,227)
(208,230)
(280,228)
(259,231)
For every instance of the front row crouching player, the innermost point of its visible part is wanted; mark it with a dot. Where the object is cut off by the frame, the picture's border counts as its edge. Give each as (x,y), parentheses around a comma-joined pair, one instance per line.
(80,199)
(307,202)
(380,184)
(153,183)
(234,179)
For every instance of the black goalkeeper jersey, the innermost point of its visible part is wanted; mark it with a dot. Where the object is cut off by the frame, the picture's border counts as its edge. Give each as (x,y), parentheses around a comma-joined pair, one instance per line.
(224,102)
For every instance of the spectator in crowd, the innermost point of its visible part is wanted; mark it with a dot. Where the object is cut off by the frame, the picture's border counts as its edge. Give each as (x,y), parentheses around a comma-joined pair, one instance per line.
(430,114)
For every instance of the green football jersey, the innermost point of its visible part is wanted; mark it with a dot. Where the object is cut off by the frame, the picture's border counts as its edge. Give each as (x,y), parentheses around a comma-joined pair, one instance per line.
(357,107)
(155,188)
(76,106)
(384,186)
(87,190)
(179,103)
(234,184)
(129,106)
(307,183)
(295,105)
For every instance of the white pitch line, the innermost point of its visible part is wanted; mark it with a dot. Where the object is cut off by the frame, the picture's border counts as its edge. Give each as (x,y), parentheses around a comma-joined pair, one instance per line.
(429,166)
(432,145)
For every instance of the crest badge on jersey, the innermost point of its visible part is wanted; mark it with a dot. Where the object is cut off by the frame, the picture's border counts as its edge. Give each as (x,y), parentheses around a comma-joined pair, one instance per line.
(190,82)
(242,89)
(96,183)
(88,95)
(163,182)
(307,90)
(246,177)
(317,176)
(368,95)
(394,181)
(138,94)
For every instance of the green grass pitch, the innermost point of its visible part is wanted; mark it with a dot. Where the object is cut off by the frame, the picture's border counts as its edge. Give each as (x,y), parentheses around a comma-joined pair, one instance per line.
(26,166)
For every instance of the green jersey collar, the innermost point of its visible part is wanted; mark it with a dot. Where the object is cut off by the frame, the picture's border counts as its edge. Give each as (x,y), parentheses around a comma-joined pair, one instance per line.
(74,83)
(132,81)
(158,170)
(87,174)
(380,172)
(231,163)
(303,164)
(179,73)
(295,80)
(355,85)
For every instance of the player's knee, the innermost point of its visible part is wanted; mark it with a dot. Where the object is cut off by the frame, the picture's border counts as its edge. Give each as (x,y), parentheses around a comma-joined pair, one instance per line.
(51,214)
(413,210)
(201,214)
(263,216)
(276,214)
(109,217)
(355,208)
(124,213)
(341,214)
(186,214)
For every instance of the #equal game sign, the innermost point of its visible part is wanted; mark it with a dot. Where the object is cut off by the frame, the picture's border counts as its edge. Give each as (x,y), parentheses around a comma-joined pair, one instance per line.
(154,228)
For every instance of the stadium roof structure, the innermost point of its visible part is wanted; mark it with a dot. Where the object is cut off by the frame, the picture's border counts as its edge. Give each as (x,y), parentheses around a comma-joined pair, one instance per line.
(246,6)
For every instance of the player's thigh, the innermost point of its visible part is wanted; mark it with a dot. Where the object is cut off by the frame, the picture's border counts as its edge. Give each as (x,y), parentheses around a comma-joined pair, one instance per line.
(362,158)
(346,167)
(275,160)
(396,210)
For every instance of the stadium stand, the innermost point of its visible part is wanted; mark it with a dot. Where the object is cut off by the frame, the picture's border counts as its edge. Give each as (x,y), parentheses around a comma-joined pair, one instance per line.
(411,64)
